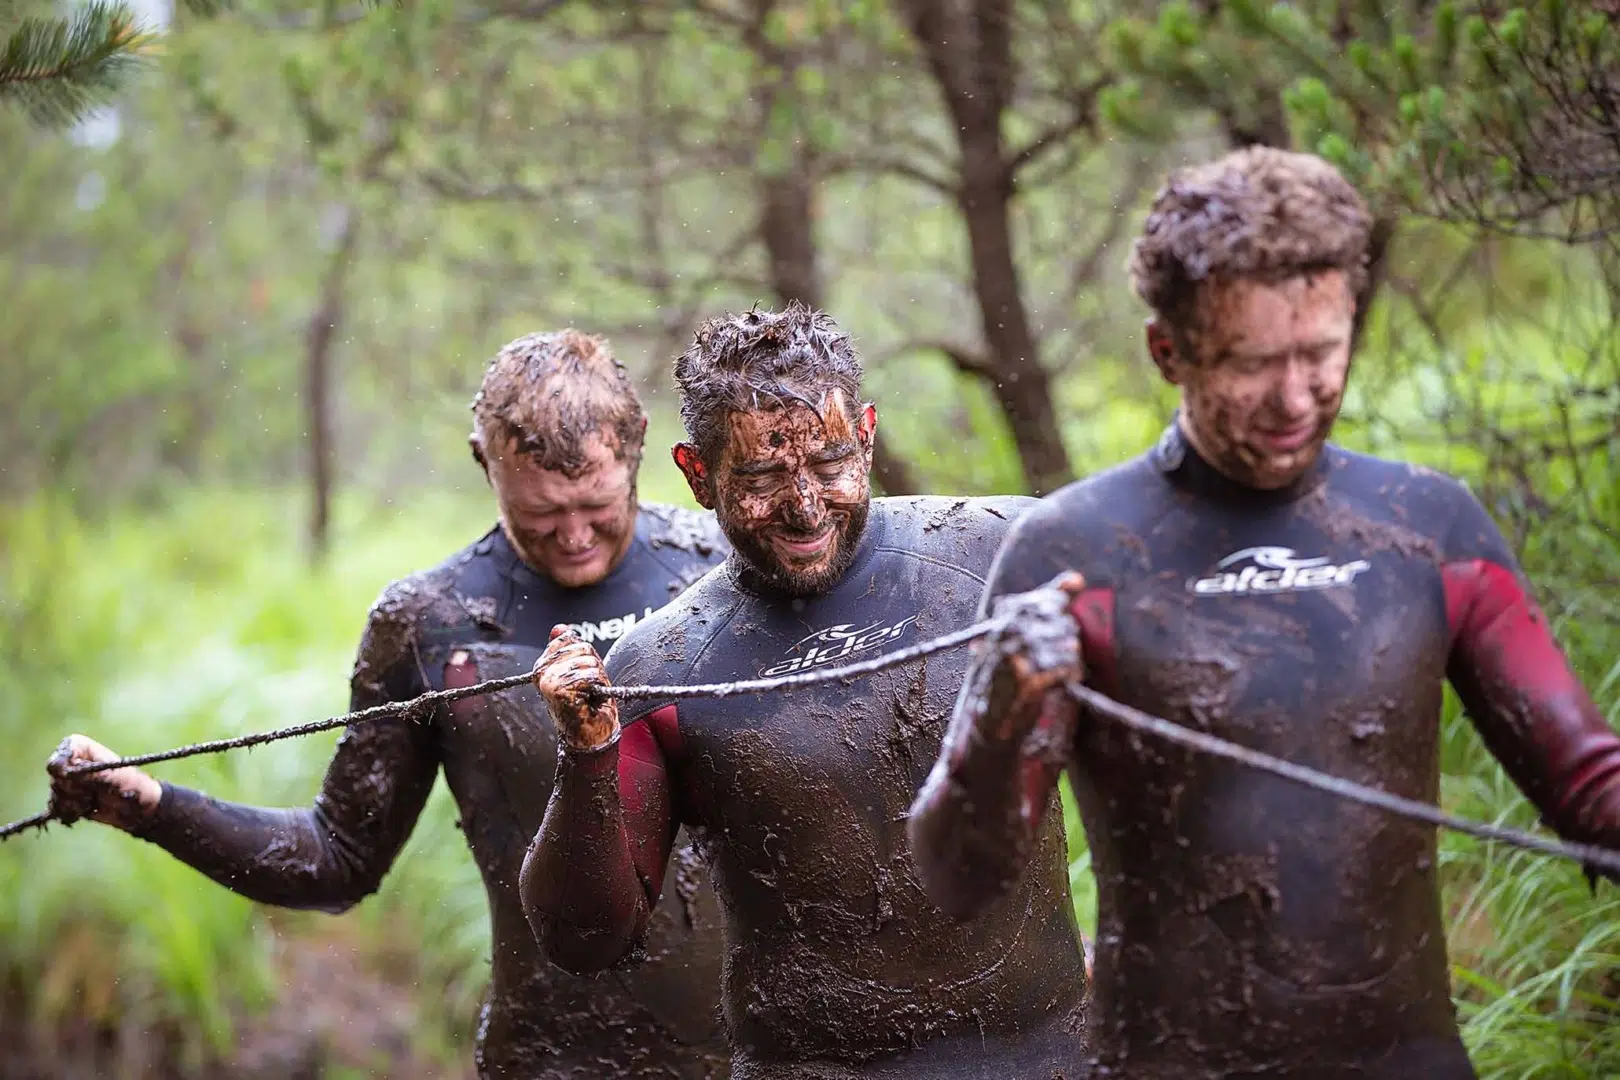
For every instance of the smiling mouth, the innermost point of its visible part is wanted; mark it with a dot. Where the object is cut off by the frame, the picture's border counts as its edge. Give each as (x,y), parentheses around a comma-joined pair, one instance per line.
(1287,439)
(804,546)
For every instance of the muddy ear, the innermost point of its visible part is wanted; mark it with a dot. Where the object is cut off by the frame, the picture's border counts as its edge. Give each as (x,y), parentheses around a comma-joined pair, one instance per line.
(696,473)
(475,442)
(1161,345)
(868,424)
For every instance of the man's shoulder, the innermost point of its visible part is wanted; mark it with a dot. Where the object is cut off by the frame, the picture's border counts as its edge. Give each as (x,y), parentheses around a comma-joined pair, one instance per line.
(682,531)
(1428,501)
(1413,491)
(1363,469)
(411,606)
(668,639)
(925,514)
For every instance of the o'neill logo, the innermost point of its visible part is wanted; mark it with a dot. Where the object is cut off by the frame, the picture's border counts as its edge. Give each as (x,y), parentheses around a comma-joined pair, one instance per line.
(608,629)
(837,643)
(1274,570)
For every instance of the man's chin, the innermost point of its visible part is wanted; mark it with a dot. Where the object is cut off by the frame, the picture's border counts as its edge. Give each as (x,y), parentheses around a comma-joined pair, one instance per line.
(575,575)
(797,577)
(1273,471)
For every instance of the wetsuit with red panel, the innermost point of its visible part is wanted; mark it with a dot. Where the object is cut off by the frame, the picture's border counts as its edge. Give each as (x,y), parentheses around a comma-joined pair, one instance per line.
(837,964)
(1250,927)
(484,614)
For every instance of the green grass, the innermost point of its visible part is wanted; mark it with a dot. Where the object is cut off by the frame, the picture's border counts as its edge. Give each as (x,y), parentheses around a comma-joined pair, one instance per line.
(188,621)
(156,629)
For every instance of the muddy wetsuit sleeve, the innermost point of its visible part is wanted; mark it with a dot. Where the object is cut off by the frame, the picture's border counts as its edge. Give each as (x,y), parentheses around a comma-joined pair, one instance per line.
(1517,686)
(595,871)
(330,856)
(979,814)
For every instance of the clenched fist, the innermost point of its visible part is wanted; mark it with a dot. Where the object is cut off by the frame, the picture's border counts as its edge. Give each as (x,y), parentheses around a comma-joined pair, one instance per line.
(1036,653)
(565,674)
(124,797)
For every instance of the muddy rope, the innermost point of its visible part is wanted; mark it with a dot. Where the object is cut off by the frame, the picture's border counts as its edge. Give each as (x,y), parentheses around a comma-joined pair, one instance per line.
(419,708)
(1593,858)
(1589,856)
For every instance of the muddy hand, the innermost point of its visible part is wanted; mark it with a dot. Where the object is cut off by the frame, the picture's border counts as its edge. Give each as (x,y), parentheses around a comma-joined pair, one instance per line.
(125,797)
(565,675)
(1042,638)
(1037,652)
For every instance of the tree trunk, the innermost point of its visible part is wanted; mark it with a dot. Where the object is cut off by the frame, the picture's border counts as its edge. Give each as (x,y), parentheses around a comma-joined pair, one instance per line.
(1383,231)
(323,326)
(968,47)
(1022,387)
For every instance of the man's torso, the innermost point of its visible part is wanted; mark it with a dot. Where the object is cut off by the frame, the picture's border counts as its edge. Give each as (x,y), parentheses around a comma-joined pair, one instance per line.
(798,800)
(1249,926)
(499,752)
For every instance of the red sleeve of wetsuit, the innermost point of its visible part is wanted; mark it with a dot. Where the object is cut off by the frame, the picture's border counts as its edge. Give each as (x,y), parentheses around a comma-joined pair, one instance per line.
(595,870)
(1526,702)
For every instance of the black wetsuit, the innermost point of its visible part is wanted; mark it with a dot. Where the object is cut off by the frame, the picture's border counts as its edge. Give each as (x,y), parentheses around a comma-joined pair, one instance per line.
(483,614)
(837,964)
(1250,927)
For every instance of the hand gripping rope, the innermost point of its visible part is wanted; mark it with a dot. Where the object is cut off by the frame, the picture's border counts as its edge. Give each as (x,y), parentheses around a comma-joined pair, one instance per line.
(1593,858)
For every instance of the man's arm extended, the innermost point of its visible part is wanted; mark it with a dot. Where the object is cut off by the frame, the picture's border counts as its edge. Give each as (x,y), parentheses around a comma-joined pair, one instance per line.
(594,873)
(326,857)
(976,819)
(1519,690)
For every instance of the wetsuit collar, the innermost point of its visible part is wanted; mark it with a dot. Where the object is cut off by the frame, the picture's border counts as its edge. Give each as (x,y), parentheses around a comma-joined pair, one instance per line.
(749,580)
(1183,466)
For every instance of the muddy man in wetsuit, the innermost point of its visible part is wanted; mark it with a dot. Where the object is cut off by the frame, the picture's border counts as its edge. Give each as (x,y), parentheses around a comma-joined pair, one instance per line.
(1248,579)
(837,965)
(558,432)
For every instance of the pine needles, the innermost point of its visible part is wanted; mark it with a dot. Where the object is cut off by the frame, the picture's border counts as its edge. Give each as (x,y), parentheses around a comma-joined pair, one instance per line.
(57,70)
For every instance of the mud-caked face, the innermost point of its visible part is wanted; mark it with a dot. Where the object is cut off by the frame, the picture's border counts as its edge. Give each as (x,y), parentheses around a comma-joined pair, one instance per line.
(791,489)
(572,529)
(1266,379)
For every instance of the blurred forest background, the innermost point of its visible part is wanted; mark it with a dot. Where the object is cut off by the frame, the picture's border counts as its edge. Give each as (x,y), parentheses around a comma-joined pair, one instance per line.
(248,297)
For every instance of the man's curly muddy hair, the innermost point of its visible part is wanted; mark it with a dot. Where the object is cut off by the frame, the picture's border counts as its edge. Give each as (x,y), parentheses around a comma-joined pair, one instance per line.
(549,392)
(762,360)
(1259,213)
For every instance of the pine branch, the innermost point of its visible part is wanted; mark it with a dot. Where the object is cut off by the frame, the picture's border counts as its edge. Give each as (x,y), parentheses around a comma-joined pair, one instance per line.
(59,69)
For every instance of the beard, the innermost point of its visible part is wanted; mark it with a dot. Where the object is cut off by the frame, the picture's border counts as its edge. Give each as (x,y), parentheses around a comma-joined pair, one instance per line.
(817,578)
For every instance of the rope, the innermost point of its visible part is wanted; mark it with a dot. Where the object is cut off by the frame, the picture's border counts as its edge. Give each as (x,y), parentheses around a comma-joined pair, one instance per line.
(419,707)
(1395,805)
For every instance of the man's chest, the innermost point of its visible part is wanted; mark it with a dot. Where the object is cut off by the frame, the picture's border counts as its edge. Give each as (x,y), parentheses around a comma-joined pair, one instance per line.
(1281,630)
(867,740)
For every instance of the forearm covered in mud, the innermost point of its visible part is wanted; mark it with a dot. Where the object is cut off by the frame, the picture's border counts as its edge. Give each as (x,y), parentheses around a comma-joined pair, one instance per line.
(976,819)
(1529,705)
(586,900)
(327,857)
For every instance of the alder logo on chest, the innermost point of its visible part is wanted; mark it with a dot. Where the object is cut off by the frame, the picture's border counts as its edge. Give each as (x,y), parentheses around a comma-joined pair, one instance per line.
(608,629)
(837,643)
(1275,570)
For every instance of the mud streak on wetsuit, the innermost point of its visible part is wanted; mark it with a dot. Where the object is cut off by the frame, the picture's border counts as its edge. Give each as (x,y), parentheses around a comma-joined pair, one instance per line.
(837,964)
(1249,927)
(497,753)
